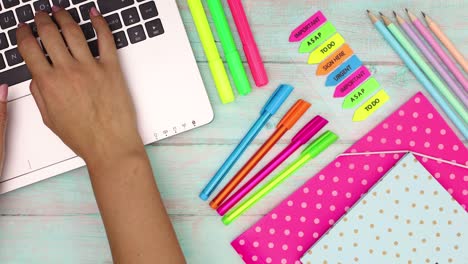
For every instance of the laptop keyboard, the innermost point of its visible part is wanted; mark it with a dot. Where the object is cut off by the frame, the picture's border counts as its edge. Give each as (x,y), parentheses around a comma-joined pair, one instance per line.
(130,21)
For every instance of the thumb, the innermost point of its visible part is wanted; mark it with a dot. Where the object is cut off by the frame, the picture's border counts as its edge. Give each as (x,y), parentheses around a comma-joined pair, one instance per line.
(3,120)
(3,110)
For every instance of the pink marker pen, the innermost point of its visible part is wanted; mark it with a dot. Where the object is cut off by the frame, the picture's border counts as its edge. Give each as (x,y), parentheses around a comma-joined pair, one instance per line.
(248,42)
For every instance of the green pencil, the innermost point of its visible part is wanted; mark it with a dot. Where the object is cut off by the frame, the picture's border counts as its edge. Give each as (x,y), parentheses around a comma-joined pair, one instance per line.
(229,46)
(456,104)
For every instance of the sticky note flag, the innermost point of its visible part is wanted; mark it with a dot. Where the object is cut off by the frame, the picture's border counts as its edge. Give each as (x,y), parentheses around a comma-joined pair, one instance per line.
(317,38)
(309,26)
(327,48)
(342,72)
(353,81)
(361,93)
(372,105)
(332,62)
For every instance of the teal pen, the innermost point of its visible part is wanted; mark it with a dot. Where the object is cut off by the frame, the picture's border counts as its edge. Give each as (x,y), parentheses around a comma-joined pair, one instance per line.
(460,124)
(271,107)
(229,46)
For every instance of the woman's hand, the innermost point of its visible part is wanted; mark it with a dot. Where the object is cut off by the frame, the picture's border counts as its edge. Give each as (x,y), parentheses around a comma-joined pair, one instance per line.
(83,100)
(3,121)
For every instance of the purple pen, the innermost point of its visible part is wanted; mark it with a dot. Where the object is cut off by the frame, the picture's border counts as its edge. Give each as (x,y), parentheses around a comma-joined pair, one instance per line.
(301,138)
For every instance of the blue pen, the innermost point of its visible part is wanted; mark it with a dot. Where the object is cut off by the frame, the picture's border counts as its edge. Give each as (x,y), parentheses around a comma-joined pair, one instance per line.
(270,108)
(342,72)
(419,75)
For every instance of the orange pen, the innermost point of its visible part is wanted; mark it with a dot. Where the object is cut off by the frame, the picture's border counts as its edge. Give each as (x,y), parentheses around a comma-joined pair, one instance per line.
(288,121)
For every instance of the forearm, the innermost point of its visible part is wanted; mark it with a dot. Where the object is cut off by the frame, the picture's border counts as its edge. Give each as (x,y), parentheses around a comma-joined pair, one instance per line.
(137,225)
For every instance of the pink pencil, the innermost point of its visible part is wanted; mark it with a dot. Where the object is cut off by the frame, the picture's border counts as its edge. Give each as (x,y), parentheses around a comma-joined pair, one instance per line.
(248,41)
(431,58)
(440,52)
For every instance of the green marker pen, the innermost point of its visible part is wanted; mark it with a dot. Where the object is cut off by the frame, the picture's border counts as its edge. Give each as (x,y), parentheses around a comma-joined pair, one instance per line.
(312,151)
(215,63)
(229,46)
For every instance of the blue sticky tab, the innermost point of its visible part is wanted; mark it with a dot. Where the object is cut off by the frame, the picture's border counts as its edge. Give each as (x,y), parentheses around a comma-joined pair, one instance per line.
(342,72)
(277,99)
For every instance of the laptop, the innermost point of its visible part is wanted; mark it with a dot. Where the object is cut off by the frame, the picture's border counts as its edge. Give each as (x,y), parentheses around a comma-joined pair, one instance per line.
(158,63)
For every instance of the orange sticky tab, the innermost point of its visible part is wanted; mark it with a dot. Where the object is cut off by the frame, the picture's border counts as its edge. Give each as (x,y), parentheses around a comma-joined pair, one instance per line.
(294,114)
(335,60)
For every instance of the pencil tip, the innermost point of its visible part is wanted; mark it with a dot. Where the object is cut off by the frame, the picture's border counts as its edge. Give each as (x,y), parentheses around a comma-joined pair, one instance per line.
(394,13)
(368,11)
(381,13)
(406,9)
(424,14)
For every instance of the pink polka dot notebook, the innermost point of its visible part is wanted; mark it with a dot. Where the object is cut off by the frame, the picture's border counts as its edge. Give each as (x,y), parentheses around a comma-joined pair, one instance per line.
(284,234)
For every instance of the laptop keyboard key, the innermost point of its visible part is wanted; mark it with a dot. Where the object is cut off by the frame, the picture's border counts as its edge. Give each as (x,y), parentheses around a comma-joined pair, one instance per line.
(7,20)
(10,3)
(114,22)
(16,75)
(93,47)
(24,13)
(88,31)
(84,9)
(3,41)
(12,35)
(106,6)
(136,34)
(154,28)
(61,3)
(13,57)
(42,5)
(80,1)
(148,10)
(130,16)
(74,13)
(2,63)
(120,40)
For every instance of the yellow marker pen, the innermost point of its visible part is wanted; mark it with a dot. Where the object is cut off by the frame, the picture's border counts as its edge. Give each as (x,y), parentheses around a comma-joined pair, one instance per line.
(211,51)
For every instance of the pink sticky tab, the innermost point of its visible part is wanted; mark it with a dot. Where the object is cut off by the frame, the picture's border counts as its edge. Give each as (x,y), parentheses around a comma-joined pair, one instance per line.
(307,27)
(353,81)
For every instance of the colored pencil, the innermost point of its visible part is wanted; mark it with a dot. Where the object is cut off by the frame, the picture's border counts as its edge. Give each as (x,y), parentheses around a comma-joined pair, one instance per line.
(456,54)
(453,101)
(419,74)
(431,58)
(439,51)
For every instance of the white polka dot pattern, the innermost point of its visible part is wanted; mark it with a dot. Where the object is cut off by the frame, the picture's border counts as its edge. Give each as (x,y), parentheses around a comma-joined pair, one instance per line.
(329,199)
(407,218)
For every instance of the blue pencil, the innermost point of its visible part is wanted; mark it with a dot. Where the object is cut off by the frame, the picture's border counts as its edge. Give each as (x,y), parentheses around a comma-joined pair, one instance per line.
(419,75)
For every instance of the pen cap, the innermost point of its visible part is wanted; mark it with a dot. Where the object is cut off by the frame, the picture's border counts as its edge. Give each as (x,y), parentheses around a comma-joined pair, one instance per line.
(320,144)
(310,130)
(277,99)
(294,114)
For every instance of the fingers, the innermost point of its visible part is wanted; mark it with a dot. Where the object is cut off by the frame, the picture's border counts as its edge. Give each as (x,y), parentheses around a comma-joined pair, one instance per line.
(52,39)
(73,35)
(36,93)
(107,49)
(3,114)
(31,51)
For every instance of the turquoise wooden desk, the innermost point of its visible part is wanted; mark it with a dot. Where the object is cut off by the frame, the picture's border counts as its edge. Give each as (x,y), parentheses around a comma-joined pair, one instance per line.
(57,220)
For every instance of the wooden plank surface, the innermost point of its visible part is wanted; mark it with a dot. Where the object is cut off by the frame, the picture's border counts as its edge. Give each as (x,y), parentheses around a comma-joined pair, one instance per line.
(57,221)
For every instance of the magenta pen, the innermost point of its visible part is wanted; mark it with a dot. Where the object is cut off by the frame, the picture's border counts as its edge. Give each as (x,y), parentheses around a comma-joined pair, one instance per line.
(301,138)
(248,42)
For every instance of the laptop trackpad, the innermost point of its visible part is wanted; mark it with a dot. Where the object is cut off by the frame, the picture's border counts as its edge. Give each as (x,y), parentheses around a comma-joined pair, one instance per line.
(30,145)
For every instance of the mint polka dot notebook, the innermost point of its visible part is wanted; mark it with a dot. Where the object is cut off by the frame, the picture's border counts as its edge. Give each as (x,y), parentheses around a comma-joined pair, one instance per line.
(408,217)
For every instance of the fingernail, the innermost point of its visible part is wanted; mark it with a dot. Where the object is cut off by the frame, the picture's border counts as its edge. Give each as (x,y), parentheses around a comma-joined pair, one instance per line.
(94,12)
(56,8)
(3,92)
(21,24)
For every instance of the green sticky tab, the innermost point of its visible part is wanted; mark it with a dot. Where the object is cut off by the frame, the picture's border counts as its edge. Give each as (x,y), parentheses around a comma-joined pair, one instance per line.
(361,93)
(317,37)
(372,105)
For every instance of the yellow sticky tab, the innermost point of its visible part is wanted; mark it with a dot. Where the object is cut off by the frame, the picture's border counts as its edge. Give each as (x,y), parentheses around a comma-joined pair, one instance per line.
(326,49)
(372,105)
